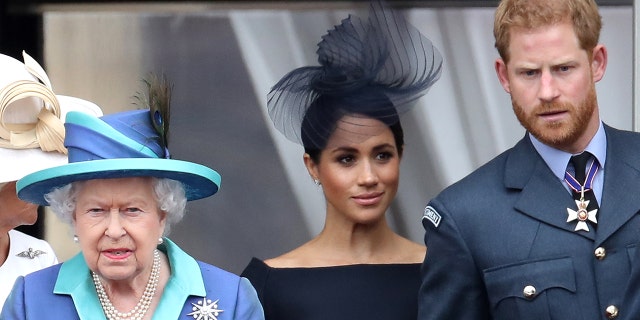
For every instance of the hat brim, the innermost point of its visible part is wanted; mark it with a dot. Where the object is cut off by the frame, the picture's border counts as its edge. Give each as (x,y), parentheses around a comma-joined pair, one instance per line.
(17,163)
(199,181)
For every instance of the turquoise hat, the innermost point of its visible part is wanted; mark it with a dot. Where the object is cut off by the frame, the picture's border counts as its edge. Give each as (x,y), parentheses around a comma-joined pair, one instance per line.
(119,145)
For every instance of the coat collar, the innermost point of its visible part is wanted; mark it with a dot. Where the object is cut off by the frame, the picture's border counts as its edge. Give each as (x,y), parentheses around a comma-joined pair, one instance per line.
(621,182)
(74,279)
(543,197)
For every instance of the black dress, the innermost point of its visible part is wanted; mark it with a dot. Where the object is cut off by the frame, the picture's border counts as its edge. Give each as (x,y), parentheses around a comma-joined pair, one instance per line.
(353,292)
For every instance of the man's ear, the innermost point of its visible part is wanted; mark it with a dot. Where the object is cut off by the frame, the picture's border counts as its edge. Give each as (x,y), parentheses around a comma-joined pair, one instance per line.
(503,74)
(598,62)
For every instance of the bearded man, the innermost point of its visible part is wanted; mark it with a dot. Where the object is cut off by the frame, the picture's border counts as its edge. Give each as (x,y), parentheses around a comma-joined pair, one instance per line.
(548,229)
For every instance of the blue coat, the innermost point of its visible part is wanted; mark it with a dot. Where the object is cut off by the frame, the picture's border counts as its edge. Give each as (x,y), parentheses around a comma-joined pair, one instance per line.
(503,230)
(66,291)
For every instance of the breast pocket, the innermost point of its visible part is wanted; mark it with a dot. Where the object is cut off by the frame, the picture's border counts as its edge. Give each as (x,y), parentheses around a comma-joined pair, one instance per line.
(541,289)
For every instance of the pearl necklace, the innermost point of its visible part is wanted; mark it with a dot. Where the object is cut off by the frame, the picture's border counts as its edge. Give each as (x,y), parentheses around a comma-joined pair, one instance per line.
(138,312)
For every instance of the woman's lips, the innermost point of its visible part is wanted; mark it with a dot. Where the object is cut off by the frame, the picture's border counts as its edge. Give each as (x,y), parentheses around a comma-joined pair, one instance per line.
(117,254)
(368,199)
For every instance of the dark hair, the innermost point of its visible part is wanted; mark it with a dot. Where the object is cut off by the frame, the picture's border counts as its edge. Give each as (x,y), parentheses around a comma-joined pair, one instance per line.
(321,119)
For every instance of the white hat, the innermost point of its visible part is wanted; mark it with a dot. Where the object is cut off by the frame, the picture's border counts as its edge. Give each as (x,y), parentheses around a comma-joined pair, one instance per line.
(31,119)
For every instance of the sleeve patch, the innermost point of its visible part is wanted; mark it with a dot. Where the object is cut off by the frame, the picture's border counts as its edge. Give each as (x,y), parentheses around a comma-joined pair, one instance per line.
(432,215)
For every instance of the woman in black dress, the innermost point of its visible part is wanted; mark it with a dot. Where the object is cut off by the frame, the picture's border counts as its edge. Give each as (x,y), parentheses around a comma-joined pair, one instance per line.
(345,113)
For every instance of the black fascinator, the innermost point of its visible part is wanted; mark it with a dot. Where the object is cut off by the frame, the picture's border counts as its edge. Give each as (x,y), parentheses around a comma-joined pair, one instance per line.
(374,67)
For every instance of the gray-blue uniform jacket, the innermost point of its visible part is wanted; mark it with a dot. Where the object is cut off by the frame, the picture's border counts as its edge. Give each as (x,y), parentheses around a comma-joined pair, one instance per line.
(499,245)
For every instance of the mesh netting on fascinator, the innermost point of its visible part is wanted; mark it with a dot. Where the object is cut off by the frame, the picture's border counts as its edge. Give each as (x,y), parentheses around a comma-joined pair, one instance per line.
(374,67)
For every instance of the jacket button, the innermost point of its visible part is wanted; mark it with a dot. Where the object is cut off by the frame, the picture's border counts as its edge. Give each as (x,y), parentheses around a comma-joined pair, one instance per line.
(611,312)
(600,253)
(529,292)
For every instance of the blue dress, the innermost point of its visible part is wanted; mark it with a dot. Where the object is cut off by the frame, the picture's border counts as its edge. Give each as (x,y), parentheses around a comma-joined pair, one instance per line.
(195,290)
(351,292)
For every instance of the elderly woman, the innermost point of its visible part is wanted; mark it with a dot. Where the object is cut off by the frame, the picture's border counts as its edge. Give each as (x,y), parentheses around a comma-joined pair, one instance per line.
(121,193)
(31,136)
(345,113)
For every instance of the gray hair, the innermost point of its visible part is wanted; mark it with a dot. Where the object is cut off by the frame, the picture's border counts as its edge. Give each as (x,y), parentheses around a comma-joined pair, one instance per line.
(170,197)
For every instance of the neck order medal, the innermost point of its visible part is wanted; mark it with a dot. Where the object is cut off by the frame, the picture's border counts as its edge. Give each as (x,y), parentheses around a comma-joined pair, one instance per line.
(582,215)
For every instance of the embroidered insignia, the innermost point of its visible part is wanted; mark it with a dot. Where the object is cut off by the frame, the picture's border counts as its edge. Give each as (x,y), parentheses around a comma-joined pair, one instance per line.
(205,310)
(30,253)
(432,215)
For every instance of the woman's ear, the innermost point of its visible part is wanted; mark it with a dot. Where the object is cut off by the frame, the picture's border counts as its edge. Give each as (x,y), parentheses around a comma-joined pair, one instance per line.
(163,222)
(312,167)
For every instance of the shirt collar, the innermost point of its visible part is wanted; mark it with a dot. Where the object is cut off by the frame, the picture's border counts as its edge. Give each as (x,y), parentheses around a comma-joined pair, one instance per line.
(557,159)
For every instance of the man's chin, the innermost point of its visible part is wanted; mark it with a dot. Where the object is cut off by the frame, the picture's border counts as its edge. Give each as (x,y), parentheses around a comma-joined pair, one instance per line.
(555,136)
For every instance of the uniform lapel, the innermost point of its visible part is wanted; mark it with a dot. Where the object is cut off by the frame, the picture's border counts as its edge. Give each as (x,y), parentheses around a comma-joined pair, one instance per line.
(621,185)
(542,195)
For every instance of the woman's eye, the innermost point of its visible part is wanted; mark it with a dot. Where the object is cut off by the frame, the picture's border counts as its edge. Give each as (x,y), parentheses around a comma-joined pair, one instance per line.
(95,211)
(384,156)
(132,210)
(345,159)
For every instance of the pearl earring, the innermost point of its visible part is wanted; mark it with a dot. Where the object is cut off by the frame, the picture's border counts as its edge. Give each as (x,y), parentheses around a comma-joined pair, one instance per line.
(160,240)
(75,239)
(316,181)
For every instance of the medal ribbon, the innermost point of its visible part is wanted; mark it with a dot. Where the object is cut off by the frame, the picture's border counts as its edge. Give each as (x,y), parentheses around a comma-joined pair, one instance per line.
(588,183)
